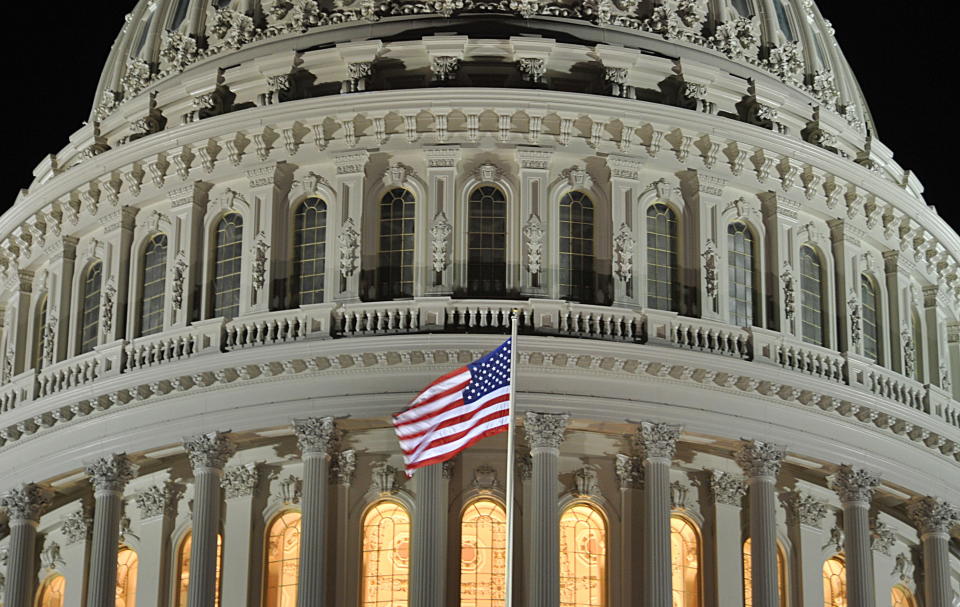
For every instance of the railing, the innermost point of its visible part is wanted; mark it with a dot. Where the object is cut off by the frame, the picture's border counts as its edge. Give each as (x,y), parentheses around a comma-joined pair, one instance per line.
(145,352)
(795,355)
(354,320)
(79,370)
(266,329)
(701,335)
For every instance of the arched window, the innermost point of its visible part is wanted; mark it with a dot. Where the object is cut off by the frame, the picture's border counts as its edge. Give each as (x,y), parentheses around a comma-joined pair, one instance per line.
(871,318)
(309,251)
(834,583)
(917,329)
(52,592)
(685,561)
(90,308)
(179,14)
(39,326)
(662,264)
(227,262)
(385,574)
(153,285)
(583,557)
(784,20)
(901,597)
(483,554)
(183,569)
(742,274)
(576,247)
(812,312)
(127,565)
(487,241)
(748,576)
(743,8)
(397,230)
(283,560)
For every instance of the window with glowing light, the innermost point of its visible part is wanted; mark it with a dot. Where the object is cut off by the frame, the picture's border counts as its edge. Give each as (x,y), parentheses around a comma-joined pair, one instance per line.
(283,560)
(685,562)
(51,592)
(483,554)
(748,576)
(834,583)
(127,565)
(385,575)
(583,557)
(901,597)
(183,569)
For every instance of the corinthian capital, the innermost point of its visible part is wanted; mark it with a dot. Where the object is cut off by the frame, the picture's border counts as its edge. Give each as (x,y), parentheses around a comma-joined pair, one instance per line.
(758,458)
(111,473)
(210,450)
(802,508)
(933,515)
(727,488)
(316,434)
(855,484)
(658,440)
(25,503)
(545,430)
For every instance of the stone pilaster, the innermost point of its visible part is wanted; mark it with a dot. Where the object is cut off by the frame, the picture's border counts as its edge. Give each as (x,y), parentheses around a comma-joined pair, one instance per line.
(346,466)
(428,564)
(761,462)
(726,492)
(855,488)
(625,189)
(629,471)
(349,185)
(442,161)
(108,475)
(239,582)
(157,506)
(534,163)
(805,515)
(934,519)
(23,506)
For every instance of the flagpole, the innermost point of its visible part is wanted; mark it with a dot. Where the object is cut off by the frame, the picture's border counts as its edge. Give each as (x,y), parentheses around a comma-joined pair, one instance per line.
(511,464)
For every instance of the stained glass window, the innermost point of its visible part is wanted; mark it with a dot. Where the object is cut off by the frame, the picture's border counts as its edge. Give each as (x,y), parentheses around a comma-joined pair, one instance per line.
(90,311)
(183,569)
(917,328)
(748,576)
(39,325)
(283,560)
(742,274)
(685,562)
(154,283)
(583,557)
(487,241)
(662,264)
(811,296)
(901,597)
(52,592)
(576,247)
(309,251)
(397,230)
(228,258)
(127,565)
(834,583)
(483,554)
(871,318)
(385,576)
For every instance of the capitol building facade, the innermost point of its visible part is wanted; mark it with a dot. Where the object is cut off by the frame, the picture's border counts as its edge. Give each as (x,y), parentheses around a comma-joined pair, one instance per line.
(739,349)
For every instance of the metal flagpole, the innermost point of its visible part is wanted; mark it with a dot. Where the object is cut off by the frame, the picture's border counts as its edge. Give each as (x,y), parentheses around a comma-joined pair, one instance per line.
(511,465)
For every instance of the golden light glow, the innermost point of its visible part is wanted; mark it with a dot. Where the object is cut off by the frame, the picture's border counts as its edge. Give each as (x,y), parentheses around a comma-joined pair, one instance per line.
(385,577)
(834,583)
(685,560)
(183,584)
(51,593)
(901,597)
(127,565)
(283,560)
(583,557)
(483,554)
(748,576)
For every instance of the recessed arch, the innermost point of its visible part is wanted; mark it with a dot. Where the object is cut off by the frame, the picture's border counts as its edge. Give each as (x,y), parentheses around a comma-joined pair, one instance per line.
(577,273)
(227,266)
(308,284)
(483,553)
(385,555)
(127,570)
(396,251)
(583,556)
(282,559)
(90,307)
(183,569)
(153,284)
(685,558)
(900,596)
(748,575)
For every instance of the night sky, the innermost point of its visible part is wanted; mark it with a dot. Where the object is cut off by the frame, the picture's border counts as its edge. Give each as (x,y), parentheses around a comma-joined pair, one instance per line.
(898,55)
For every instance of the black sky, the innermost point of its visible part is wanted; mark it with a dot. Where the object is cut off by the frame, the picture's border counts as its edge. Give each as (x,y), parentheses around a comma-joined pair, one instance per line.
(898,55)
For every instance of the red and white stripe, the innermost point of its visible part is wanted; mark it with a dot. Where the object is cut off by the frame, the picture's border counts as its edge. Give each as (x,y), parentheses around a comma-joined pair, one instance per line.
(437,424)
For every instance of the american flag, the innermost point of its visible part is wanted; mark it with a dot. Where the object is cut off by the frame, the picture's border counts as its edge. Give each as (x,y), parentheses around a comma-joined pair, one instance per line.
(456,411)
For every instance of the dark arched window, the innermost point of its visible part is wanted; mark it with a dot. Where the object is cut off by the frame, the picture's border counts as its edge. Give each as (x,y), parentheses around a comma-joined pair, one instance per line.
(228,257)
(90,308)
(742,277)
(812,312)
(154,280)
(487,241)
(576,247)
(309,251)
(662,234)
(397,226)
(39,326)
(871,318)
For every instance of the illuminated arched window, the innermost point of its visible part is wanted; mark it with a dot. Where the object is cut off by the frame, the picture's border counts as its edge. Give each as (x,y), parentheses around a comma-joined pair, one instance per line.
(51,592)
(917,329)
(901,597)
(39,326)
(309,251)
(183,569)
(662,264)
(834,583)
(283,560)
(90,308)
(812,313)
(583,557)
(153,283)
(487,241)
(397,231)
(742,279)
(127,565)
(483,554)
(385,575)
(227,262)
(685,562)
(871,318)
(748,576)
(576,247)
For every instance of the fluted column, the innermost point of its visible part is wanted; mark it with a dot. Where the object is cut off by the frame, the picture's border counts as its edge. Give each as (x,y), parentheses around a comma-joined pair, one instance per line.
(23,506)
(428,567)
(208,455)
(108,475)
(658,443)
(855,488)
(934,519)
(544,434)
(761,462)
(317,437)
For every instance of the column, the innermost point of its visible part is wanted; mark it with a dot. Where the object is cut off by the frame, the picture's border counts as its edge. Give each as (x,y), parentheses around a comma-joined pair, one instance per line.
(727,492)
(761,462)
(428,567)
(269,187)
(544,434)
(23,506)
(185,254)
(442,162)
(658,443)
(630,474)
(239,574)
(346,467)
(77,531)
(108,475)
(855,488)
(158,511)
(934,519)
(535,209)
(804,517)
(349,186)
(208,454)
(317,437)
(625,189)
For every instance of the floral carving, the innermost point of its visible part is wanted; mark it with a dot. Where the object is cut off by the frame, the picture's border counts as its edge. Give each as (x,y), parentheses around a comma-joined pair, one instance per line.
(532,69)
(545,430)
(111,473)
(240,481)
(488,172)
(909,353)
(758,458)
(586,482)
(210,450)
(789,298)
(136,77)
(291,490)
(629,471)
(344,466)
(802,508)
(49,337)
(384,478)
(657,440)
(726,488)
(903,568)
(534,235)
(50,556)
(179,272)
(882,538)
(178,50)
(786,62)
(624,245)
(109,293)
(855,484)
(349,243)
(856,330)
(259,273)
(824,87)
(77,527)
(158,500)
(710,263)
(738,38)
(444,67)
(836,540)
(27,502)
(439,241)
(234,28)
(357,74)
(316,434)
(933,515)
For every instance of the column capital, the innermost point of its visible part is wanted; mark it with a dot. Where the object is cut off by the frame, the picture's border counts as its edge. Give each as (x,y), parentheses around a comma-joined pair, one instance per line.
(545,430)
(25,503)
(933,515)
(629,471)
(658,441)
(758,458)
(158,500)
(111,473)
(240,481)
(855,484)
(802,508)
(210,450)
(726,488)
(316,434)
(344,467)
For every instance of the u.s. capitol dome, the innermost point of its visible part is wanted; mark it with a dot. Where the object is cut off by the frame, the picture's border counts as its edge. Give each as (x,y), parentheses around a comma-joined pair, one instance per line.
(739,351)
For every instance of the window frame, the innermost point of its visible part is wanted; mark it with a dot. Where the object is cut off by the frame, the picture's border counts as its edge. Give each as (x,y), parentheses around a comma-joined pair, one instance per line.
(45,585)
(609,546)
(267,529)
(82,310)
(209,292)
(469,502)
(698,533)
(842,575)
(418,227)
(677,277)
(809,249)
(140,280)
(509,236)
(329,274)
(176,560)
(408,510)
(590,291)
(757,271)
(868,279)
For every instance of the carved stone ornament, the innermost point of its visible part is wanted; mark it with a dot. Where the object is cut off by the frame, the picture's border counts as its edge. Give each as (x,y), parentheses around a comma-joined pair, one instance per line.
(396,175)
(444,67)
(291,490)
(211,450)
(855,484)
(577,177)
(726,488)
(803,509)
(25,503)
(657,441)
(109,294)
(678,495)
(786,62)
(316,434)
(534,234)
(439,241)
(383,478)
(933,515)
(485,478)
(856,329)
(624,245)
(586,481)
(758,458)
(710,263)
(836,540)
(524,466)
(789,298)
(111,473)
(49,337)
(178,276)
(345,465)
(158,500)
(77,527)
(882,538)
(532,69)
(738,38)
(348,241)
(50,556)
(629,471)
(909,353)
(240,481)
(488,173)
(545,430)
(259,271)
(945,382)
(903,568)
